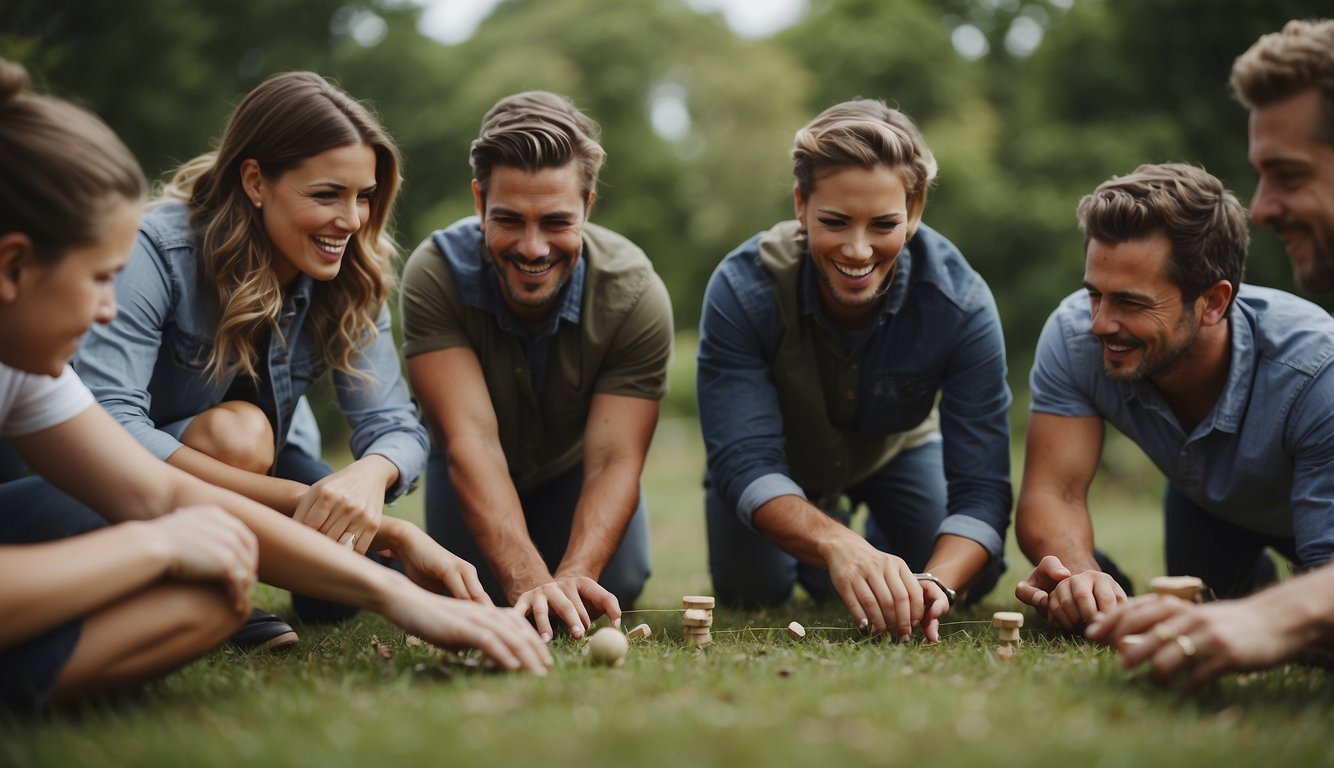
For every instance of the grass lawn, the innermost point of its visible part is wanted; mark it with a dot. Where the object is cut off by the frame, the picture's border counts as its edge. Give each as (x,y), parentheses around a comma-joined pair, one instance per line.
(360,695)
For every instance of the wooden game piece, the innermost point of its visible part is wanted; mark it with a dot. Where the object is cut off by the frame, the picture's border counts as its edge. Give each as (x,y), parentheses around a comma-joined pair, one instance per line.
(1008,634)
(696,630)
(640,632)
(1007,619)
(1187,588)
(704,602)
(697,617)
(608,646)
(796,631)
(1004,651)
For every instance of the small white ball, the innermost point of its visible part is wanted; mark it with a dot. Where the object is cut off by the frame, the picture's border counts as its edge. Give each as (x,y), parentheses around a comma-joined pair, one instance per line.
(608,646)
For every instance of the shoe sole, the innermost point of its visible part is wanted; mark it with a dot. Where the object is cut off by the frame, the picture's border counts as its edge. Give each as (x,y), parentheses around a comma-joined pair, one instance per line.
(277,643)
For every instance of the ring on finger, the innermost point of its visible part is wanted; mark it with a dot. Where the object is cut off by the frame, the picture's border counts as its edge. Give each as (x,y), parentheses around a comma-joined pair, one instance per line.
(1165,632)
(349,540)
(1186,645)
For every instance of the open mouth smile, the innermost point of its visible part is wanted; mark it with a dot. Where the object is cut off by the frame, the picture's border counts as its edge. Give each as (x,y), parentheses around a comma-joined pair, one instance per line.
(854,272)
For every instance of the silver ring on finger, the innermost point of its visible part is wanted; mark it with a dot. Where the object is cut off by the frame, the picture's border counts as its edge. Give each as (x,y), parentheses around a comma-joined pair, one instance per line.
(1186,645)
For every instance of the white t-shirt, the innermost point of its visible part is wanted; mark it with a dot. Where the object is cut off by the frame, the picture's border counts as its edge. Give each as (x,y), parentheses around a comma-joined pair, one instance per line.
(30,402)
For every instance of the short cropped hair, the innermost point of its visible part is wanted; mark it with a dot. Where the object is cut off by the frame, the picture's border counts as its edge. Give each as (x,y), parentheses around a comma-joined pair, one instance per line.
(865,133)
(1204,222)
(1282,64)
(535,130)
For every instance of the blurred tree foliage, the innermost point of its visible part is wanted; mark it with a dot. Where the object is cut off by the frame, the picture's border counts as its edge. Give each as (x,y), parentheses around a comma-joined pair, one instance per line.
(1053,97)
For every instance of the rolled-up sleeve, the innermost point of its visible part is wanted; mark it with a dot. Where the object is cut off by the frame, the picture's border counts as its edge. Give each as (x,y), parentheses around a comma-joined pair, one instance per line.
(381,413)
(738,403)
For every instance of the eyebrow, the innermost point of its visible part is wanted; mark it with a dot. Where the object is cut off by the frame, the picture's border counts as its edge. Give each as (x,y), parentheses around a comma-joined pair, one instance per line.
(500,210)
(1143,298)
(840,214)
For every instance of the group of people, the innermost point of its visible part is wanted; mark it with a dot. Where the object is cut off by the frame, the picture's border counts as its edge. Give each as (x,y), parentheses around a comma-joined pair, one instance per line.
(157,354)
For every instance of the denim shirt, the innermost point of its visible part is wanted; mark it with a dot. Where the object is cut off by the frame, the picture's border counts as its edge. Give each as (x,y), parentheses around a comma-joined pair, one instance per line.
(938,328)
(1262,457)
(147,366)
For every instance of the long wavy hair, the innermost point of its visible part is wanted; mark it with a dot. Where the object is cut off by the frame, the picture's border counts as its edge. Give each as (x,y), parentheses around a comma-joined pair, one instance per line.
(285,120)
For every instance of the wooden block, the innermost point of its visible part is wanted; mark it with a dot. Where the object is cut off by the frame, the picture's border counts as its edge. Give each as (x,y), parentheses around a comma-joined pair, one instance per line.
(697,601)
(700,641)
(1007,619)
(640,632)
(1185,587)
(1004,651)
(796,631)
(697,630)
(1008,634)
(608,646)
(694,616)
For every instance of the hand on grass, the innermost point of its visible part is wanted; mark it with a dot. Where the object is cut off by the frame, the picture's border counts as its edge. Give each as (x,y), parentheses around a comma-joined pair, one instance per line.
(575,600)
(1068,600)
(880,590)
(1198,642)
(501,634)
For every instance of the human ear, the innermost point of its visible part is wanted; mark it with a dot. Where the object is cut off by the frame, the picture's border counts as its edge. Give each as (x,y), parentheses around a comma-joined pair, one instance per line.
(16,252)
(252,181)
(1216,298)
(798,202)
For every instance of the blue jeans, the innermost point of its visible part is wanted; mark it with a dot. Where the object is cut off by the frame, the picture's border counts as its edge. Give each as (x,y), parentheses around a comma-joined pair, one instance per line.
(32,511)
(1230,559)
(549,511)
(906,500)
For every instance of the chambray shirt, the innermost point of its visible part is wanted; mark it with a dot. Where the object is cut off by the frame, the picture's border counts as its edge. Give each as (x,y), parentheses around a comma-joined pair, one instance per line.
(1264,456)
(741,331)
(147,366)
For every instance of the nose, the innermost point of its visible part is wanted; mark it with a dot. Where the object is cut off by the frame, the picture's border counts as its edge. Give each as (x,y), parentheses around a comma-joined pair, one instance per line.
(1265,206)
(106,306)
(857,246)
(352,214)
(1101,315)
(533,244)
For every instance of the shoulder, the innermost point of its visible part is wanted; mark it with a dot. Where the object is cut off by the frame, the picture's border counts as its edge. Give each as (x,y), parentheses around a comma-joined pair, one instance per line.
(167,226)
(936,262)
(618,272)
(449,252)
(1286,329)
(763,257)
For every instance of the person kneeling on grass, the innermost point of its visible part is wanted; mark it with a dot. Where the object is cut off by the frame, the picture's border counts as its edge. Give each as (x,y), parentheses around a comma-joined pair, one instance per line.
(90,608)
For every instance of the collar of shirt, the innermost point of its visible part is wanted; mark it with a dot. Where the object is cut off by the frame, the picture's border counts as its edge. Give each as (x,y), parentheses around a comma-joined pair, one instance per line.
(1227,413)
(808,290)
(479,287)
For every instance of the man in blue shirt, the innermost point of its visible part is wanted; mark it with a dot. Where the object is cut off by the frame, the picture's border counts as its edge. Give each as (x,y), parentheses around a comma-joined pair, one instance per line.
(824,346)
(1227,387)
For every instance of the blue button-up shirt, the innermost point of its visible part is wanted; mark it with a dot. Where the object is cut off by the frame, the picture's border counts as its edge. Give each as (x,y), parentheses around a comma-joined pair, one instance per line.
(1264,456)
(147,366)
(934,288)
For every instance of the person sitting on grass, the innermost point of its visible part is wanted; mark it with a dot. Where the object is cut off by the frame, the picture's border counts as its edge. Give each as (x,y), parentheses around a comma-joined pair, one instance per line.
(263,266)
(90,608)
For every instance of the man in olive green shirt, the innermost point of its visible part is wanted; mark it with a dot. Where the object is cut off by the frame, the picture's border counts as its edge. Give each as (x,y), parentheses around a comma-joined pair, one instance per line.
(538,345)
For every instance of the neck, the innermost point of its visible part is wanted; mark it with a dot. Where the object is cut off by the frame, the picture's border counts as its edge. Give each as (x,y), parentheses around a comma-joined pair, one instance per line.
(1192,385)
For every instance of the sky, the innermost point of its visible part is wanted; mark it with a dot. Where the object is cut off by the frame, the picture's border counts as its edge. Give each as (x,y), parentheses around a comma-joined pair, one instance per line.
(453,21)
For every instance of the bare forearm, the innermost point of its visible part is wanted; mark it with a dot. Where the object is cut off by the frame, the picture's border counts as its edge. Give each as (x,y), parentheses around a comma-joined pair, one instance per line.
(608,501)
(957,561)
(45,585)
(491,509)
(1050,526)
(273,492)
(799,528)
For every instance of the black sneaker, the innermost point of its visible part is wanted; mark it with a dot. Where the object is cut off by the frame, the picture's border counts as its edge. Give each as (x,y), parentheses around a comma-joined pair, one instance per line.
(264,631)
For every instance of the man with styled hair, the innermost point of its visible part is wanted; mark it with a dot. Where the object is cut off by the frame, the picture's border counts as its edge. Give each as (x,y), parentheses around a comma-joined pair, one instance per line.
(538,344)
(1286,80)
(1226,387)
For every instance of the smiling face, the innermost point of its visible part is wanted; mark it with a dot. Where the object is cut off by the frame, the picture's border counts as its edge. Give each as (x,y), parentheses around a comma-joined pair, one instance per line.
(856,222)
(47,306)
(1137,312)
(311,212)
(1295,194)
(533,225)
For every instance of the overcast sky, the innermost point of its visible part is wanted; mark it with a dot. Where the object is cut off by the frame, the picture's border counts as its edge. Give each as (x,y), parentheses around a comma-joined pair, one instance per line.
(453,21)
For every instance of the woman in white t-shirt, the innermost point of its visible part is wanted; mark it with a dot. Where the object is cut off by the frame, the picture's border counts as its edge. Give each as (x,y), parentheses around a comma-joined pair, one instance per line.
(87,607)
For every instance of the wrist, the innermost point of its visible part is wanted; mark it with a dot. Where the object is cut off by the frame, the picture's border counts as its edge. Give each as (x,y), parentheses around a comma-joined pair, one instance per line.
(156,543)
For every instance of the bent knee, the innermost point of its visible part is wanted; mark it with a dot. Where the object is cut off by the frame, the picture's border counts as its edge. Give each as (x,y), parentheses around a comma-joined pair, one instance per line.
(237,433)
